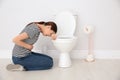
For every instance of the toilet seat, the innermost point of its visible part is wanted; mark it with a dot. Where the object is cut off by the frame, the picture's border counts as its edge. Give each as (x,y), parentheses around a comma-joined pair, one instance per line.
(65,39)
(66,24)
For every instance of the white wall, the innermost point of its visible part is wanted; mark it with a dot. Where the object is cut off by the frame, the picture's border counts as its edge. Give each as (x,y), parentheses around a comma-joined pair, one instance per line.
(103,14)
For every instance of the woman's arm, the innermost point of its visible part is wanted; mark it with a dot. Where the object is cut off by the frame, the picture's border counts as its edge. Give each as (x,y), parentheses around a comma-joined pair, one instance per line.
(18,40)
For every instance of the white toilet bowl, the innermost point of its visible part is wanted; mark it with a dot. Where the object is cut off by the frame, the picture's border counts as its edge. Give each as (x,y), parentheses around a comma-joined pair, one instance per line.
(66,40)
(64,45)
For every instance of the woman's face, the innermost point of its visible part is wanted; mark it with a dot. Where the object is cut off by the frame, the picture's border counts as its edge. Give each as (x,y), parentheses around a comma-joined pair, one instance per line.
(47,31)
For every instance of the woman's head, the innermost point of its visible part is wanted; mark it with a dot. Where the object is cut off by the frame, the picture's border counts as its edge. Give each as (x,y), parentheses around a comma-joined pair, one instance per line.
(52,25)
(47,28)
(50,28)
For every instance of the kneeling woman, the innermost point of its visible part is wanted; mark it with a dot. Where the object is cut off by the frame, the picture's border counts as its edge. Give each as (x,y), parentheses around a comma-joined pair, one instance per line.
(22,56)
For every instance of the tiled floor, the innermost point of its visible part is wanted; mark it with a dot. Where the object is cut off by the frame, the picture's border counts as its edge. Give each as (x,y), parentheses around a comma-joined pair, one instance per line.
(80,70)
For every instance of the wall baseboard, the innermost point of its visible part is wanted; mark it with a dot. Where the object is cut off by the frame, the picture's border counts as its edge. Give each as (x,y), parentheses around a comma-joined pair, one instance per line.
(76,54)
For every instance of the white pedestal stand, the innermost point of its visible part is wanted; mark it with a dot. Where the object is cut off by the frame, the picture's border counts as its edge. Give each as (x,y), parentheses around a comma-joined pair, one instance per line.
(90,56)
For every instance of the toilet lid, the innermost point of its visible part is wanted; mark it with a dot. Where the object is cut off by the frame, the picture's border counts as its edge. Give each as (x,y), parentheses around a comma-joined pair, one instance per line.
(66,24)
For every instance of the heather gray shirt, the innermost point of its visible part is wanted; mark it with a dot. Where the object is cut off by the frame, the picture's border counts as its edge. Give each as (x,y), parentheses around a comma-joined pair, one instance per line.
(33,32)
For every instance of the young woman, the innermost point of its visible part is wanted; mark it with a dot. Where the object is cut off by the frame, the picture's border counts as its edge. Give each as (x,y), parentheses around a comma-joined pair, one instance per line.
(22,56)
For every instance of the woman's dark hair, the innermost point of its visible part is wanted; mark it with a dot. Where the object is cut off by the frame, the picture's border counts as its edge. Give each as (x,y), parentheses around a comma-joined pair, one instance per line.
(53,26)
(50,23)
(41,22)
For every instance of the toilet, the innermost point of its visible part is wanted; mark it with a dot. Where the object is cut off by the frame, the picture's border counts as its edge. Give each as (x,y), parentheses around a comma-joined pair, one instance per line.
(66,23)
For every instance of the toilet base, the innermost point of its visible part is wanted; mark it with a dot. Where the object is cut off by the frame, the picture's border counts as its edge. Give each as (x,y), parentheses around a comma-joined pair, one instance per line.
(64,60)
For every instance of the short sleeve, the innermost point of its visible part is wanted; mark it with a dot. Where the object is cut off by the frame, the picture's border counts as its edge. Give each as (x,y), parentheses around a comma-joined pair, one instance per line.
(31,30)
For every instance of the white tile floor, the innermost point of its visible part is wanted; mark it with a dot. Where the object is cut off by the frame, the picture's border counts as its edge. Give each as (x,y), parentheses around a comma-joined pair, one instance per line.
(80,70)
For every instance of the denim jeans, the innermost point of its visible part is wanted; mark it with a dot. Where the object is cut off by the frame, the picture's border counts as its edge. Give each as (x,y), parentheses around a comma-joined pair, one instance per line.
(34,61)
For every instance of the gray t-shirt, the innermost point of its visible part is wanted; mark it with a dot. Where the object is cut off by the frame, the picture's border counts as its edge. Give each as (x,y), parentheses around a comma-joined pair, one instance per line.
(33,32)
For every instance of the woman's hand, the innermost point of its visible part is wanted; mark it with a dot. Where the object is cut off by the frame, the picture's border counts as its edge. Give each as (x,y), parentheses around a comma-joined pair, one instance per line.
(30,47)
(53,36)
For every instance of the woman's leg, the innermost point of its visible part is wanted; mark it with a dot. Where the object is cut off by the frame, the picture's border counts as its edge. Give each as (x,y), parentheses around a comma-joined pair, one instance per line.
(35,61)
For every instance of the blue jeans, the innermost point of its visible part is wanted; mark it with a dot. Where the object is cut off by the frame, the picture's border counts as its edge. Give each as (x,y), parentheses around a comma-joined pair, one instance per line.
(34,61)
